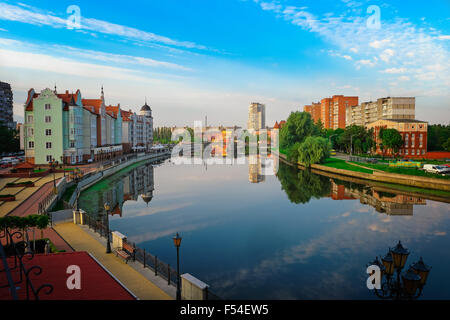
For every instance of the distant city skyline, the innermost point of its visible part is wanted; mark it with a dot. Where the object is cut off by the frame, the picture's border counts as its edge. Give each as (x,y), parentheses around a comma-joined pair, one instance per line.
(195,58)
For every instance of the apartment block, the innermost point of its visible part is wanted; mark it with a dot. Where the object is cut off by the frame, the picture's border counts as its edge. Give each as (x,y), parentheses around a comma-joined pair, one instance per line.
(6,105)
(315,110)
(339,107)
(331,111)
(256,116)
(384,108)
(413,132)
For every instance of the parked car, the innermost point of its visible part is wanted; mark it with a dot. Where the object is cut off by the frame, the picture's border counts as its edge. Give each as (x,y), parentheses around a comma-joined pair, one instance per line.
(434,168)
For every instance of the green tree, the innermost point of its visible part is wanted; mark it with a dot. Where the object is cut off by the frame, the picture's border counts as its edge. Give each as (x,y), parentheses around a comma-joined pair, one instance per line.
(437,137)
(392,140)
(313,150)
(357,138)
(302,185)
(446,145)
(298,126)
(9,140)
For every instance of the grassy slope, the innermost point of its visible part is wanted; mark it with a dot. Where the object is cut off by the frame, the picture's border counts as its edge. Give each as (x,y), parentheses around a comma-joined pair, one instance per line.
(341,164)
(406,171)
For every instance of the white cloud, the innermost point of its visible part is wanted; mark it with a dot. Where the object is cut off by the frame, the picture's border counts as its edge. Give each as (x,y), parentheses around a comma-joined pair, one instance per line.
(29,15)
(387,54)
(398,44)
(395,70)
(404,78)
(379,43)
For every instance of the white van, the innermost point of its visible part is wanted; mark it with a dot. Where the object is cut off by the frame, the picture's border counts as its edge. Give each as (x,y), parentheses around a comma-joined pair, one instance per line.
(434,168)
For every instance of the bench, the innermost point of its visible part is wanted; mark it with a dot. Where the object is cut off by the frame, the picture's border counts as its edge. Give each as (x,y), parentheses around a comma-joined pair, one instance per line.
(126,252)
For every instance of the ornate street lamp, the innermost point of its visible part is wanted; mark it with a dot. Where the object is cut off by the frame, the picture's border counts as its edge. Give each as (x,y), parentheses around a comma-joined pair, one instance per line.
(177,243)
(108,244)
(422,270)
(52,163)
(398,285)
(399,255)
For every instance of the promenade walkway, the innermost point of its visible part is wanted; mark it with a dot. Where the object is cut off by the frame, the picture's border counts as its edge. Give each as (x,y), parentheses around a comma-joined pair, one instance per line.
(27,199)
(135,281)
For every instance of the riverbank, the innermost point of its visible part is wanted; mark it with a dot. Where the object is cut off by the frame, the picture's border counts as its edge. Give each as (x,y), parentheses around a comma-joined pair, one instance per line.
(434,189)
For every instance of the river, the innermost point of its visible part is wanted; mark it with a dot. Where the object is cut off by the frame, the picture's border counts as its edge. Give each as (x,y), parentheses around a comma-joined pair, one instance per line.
(294,235)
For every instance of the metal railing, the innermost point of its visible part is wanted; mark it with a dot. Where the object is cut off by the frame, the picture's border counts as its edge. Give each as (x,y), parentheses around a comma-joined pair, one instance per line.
(17,273)
(148,260)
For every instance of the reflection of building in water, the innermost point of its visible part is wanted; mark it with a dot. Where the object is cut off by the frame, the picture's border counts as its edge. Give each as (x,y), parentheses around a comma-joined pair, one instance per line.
(255,169)
(139,182)
(384,202)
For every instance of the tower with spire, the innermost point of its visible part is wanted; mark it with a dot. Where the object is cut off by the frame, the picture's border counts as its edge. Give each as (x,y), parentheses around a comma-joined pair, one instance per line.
(146,111)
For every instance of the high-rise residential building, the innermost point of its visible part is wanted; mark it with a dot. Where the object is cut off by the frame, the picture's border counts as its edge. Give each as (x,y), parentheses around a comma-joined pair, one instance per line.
(331,111)
(256,116)
(413,132)
(339,106)
(326,110)
(384,108)
(315,110)
(6,106)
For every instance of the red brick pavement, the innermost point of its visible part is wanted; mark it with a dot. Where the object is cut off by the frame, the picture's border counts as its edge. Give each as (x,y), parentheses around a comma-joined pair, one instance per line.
(31,206)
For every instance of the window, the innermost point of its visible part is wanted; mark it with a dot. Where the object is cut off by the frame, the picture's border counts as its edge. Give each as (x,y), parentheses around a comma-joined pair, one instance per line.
(48,145)
(30,132)
(48,119)
(48,132)
(30,144)
(47,106)
(406,140)
(412,152)
(49,158)
(72,144)
(406,151)
(423,151)
(29,119)
(413,137)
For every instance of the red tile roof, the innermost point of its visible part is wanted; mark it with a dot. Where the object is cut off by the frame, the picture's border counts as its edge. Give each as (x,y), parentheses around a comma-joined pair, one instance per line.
(96,282)
(96,103)
(126,115)
(113,109)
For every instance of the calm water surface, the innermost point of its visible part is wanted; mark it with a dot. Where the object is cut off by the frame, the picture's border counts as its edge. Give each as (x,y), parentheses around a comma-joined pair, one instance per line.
(296,235)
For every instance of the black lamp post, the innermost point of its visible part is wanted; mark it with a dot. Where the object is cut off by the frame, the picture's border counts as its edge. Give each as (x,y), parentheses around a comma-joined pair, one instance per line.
(53,164)
(177,242)
(398,285)
(63,163)
(108,244)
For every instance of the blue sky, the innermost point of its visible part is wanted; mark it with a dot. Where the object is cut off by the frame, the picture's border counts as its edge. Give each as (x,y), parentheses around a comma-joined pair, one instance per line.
(192,58)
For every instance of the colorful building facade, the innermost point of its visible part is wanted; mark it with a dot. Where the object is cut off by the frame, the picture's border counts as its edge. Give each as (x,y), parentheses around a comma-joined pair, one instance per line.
(66,128)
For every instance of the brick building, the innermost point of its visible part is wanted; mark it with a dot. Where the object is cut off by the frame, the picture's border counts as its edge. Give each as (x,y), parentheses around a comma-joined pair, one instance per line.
(413,132)
(331,111)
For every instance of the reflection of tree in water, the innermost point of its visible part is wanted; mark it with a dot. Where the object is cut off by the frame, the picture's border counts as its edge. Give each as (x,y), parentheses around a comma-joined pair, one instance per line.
(301,185)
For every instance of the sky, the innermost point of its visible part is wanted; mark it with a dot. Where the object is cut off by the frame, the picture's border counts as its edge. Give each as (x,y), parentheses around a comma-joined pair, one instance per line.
(194,58)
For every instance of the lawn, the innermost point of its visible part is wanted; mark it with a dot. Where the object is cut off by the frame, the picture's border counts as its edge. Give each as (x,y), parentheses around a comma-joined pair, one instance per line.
(406,171)
(341,164)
